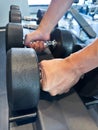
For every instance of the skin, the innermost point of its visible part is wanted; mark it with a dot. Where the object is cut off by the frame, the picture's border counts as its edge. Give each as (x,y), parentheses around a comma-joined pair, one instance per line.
(50,19)
(59,75)
(67,72)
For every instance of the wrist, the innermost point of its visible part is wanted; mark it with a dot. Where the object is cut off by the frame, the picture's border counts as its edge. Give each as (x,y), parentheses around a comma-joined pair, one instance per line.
(75,64)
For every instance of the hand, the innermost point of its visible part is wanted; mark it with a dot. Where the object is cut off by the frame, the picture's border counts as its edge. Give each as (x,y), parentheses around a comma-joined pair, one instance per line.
(58,76)
(36,40)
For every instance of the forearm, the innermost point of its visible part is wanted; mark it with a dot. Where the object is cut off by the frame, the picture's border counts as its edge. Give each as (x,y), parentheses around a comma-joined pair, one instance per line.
(85,59)
(56,10)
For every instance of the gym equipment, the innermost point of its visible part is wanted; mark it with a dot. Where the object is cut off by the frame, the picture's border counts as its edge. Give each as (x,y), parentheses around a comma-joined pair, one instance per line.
(14,36)
(67,43)
(22,79)
(40,14)
(46,115)
(82,22)
(14,7)
(62,43)
(19,59)
(16,17)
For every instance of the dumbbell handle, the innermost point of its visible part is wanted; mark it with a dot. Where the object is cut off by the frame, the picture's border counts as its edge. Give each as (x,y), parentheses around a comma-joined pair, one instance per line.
(48,43)
(27,18)
(30,26)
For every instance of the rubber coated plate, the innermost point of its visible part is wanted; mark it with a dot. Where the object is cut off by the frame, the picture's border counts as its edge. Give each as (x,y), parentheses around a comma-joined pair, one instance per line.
(14,7)
(14,35)
(22,79)
(65,43)
(15,16)
(40,13)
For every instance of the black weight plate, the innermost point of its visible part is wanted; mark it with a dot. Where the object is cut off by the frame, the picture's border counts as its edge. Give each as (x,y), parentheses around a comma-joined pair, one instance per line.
(88,86)
(22,79)
(65,44)
(14,7)
(14,35)
(15,16)
(40,13)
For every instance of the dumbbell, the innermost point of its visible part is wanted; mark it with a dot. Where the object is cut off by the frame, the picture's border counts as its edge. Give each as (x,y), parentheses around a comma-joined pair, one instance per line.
(23,79)
(67,43)
(14,37)
(62,43)
(15,16)
(40,14)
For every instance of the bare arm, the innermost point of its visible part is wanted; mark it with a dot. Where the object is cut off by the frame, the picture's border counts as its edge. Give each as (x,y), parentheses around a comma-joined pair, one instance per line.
(67,72)
(55,11)
(87,58)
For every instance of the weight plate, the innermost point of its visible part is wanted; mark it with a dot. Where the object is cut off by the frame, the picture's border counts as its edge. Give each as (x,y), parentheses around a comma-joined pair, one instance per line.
(15,16)
(22,79)
(14,7)
(14,35)
(65,43)
(40,13)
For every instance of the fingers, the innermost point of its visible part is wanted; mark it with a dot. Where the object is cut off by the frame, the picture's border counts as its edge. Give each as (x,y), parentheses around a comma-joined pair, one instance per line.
(56,90)
(38,46)
(58,76)
(28,39)
(49,82)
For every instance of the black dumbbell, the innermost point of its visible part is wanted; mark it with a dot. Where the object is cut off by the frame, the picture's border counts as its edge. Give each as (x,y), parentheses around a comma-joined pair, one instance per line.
(40,14)
(16,14)
(22,79)
(67,43)
(14,37)
(16,17)
(62,43)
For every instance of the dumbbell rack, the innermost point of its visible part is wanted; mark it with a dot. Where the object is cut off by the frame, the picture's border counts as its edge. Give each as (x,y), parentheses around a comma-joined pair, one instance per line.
(55,113)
